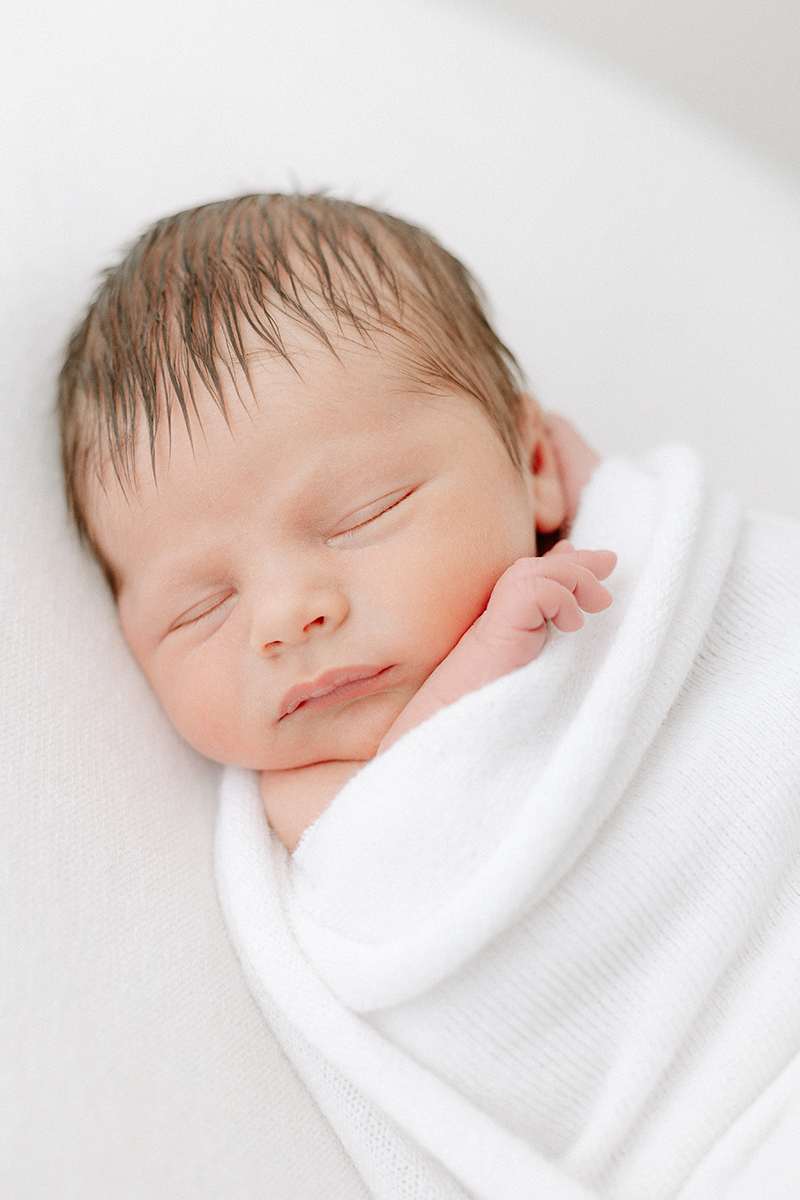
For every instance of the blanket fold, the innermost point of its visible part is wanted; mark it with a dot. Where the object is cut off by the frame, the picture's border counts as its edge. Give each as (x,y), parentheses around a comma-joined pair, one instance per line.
(547,945)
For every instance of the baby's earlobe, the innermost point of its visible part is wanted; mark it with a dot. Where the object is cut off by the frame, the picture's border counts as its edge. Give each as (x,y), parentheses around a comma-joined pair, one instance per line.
(549,498)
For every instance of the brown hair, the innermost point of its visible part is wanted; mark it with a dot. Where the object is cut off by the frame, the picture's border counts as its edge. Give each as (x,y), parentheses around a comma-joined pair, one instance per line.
(173,312)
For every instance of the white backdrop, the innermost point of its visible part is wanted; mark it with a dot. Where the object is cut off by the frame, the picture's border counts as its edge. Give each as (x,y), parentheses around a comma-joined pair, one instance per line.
(648,280)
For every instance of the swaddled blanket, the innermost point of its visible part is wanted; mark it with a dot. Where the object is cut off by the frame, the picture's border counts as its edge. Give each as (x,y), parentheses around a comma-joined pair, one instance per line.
(548,945)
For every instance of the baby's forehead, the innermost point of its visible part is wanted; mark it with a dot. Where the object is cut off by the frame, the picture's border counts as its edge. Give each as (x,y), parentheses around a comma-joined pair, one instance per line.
(302,448)
(348,394)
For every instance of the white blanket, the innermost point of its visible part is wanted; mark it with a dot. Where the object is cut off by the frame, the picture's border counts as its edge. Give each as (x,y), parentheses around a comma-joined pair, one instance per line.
(548,945)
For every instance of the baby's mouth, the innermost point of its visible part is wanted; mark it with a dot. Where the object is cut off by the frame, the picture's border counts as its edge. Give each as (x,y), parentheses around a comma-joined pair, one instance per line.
(333,687)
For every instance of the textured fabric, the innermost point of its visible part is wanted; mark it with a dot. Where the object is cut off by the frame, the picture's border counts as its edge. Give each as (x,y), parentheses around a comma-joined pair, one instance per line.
(552,935)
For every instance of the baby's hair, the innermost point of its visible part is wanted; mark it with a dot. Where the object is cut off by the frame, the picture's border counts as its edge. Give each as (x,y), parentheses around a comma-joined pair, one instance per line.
(174,312)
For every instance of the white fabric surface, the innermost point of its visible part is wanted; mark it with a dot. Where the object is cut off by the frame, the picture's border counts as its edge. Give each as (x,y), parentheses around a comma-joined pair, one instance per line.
(628,255)
(553,935)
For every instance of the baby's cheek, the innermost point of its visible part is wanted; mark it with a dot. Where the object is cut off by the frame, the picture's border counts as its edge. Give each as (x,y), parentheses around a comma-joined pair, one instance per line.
(204,727)
(452,604)
(202,707)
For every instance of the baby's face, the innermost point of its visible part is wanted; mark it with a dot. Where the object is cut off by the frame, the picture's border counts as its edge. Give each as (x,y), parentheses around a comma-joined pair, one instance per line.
(288,583)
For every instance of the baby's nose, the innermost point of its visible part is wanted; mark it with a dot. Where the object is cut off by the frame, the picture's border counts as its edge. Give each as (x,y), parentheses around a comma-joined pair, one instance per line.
(292,617)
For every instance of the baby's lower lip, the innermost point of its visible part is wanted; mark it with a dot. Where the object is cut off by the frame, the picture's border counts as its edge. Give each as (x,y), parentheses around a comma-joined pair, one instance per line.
(346,691)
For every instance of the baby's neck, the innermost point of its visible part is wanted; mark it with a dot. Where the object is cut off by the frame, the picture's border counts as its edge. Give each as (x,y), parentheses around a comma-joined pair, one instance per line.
(293,799)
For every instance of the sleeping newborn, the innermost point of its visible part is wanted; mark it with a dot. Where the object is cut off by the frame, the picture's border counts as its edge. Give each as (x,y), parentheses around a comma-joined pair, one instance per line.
(543,942)
(303,460)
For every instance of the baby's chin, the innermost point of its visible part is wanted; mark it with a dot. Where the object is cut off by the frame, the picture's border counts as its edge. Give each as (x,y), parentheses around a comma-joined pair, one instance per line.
(352,733)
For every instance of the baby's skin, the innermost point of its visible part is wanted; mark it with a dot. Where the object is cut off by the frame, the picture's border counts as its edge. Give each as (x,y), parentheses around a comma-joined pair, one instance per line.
(509,634)
(512,631)
(333,560)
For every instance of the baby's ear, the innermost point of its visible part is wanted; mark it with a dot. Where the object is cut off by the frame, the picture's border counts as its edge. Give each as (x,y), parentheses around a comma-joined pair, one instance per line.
(539,456)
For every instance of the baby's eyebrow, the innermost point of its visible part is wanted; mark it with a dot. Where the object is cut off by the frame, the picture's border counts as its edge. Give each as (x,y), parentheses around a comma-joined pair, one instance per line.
(168,576)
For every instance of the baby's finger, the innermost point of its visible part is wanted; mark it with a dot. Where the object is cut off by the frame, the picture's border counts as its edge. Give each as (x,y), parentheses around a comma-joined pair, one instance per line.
(576,578)
(600,562)
(590,593)
(557,603)
(525,596)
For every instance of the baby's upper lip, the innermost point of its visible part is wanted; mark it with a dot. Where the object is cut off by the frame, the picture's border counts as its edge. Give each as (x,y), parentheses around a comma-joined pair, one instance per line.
(328,681)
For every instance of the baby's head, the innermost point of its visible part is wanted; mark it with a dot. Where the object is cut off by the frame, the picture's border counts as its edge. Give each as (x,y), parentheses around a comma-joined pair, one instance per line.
(303,458)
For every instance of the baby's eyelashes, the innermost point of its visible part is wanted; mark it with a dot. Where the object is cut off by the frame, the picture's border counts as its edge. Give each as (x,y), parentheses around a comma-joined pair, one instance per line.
(371,512)
(215,605)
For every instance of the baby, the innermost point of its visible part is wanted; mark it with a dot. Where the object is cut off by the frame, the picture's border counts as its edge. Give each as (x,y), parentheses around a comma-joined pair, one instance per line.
(308,469)
(521,953)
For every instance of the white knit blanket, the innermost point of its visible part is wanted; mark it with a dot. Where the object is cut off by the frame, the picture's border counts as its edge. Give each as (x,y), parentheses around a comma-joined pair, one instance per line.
(548,945)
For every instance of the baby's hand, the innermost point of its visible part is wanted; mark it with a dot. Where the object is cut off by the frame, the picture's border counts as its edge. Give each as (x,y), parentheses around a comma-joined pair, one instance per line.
(513,627)
(530,593)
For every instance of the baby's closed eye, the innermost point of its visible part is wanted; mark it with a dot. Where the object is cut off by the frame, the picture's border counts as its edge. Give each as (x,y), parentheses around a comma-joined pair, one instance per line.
(215,605)
(371,512)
